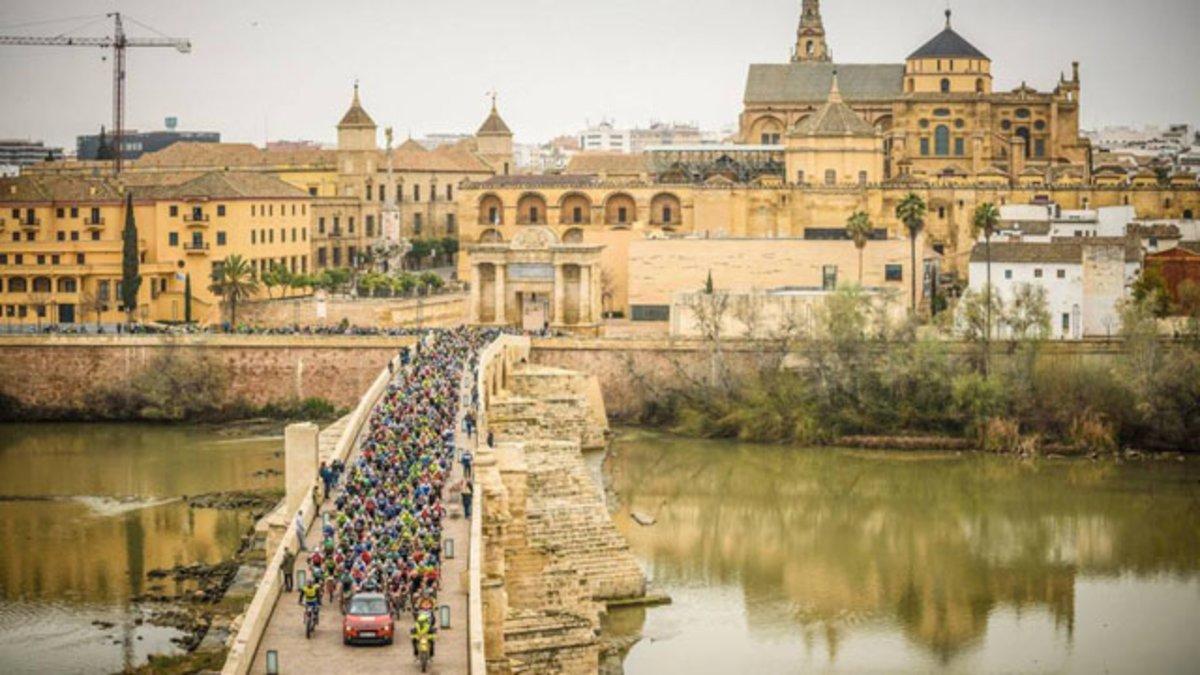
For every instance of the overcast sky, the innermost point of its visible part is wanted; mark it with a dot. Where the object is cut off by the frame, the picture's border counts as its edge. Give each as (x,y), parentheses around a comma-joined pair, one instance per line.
(284,69)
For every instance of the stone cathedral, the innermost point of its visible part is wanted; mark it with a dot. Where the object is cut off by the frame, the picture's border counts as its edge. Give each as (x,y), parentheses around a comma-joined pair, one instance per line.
(937,113)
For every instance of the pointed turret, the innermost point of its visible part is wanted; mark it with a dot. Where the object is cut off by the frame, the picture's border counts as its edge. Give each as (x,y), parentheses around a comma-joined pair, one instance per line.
(356,131)
(810,36)
(494,142)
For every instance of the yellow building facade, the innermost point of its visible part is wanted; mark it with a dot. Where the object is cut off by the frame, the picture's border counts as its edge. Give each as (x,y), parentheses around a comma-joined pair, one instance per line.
(61,246)
(938,113)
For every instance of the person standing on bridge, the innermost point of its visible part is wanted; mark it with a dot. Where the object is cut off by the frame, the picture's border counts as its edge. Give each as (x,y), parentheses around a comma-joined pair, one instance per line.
(468,492)
(287,567)
(466,459)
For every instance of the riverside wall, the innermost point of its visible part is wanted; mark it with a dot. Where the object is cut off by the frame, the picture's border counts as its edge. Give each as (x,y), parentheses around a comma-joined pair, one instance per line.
(63,374)
(437,310)
(632,373)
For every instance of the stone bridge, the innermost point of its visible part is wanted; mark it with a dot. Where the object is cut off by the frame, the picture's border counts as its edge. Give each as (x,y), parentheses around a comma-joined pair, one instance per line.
(542,559)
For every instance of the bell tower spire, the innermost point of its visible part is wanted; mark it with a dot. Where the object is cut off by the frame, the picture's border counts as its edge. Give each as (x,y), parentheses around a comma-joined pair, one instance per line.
(810,36)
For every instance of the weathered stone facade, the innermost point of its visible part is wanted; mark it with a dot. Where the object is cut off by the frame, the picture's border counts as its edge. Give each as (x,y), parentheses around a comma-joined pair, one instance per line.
(63,374)
(552,557)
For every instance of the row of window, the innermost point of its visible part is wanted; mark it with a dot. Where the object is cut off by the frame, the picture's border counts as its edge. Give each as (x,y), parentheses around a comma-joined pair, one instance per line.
(269,209)
(1038,273)
(42,258)
(267,236)
(332,257)
(831,177)
(297,264)
(41,285)
(942,140)
(416,193)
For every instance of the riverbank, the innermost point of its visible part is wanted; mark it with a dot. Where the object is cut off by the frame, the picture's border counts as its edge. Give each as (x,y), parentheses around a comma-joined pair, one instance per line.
(849,381)
(202,607)
(119,540)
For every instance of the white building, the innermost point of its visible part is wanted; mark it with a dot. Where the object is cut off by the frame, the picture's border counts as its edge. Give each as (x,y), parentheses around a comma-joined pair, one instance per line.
(1084,280)
(1045,222)
(605,138)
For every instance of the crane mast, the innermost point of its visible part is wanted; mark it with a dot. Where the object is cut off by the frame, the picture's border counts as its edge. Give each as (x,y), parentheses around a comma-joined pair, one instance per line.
(118,43)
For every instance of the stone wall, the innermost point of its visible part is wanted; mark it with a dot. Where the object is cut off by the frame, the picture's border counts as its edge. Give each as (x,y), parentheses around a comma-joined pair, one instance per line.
(553,558)
(62,373)
(437,311)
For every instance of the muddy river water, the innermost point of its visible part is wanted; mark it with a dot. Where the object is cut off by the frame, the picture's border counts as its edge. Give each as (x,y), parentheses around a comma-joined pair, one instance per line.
(788,560)
(86,511)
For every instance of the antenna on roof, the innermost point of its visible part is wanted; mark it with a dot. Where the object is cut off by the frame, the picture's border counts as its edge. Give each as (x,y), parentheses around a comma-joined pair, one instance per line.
(948,12)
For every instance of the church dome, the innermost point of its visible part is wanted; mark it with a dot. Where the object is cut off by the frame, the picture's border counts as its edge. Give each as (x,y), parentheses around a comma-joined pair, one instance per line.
(948,44)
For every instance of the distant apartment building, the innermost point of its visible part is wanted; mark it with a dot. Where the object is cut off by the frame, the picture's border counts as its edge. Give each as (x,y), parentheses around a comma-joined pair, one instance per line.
(435,141)
(18,153)
(540,158)
(604,137)
(135,143)
(291,146)
(662,134)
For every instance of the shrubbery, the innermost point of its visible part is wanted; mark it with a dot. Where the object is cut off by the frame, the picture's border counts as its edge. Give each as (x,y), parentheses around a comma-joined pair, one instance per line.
(854,374)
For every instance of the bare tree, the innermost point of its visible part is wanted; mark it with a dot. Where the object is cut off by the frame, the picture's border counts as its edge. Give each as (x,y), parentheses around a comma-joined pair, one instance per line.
(91,301)
(39,300)
(708,311)
(748,309)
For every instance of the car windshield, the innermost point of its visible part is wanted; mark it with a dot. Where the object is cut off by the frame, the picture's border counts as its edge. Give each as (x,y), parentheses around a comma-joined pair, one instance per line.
(368,606)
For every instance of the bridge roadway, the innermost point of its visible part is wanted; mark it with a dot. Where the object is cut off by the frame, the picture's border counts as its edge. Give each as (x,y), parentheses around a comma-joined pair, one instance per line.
(325,653)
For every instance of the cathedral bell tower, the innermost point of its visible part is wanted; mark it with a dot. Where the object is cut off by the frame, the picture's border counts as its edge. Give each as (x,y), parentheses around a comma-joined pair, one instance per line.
(810,36)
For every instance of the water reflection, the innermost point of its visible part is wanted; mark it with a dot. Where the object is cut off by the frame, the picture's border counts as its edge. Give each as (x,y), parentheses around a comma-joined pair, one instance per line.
(832,548)
(86,511)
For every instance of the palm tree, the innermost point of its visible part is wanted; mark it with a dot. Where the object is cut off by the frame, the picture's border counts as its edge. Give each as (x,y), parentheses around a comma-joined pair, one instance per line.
(985,221)
(858,226)
(235,282)
(911,212)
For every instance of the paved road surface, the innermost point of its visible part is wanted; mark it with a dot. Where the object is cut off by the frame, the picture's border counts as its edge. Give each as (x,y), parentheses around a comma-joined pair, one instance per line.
(325,653)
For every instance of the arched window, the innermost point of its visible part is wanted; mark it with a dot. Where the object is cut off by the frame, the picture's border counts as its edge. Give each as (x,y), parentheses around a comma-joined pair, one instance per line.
(665,209)
(531,210)
(979,85)
(945,85)
(66,285)
(830,177)
(910,85)
(1187,214)
(808,47)
(491,210)
(575,209)
(41,285)
(17,285)
(941,140)
(620,209)
(862,177)
(1023,132)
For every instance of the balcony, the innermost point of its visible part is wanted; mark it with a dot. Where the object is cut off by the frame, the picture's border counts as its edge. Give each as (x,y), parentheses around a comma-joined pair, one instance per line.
(31,223)
(195,248)
(93,223)
(336,234)
(198,219)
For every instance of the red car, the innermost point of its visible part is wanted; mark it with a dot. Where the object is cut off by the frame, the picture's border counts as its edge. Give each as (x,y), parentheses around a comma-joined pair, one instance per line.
(367,620)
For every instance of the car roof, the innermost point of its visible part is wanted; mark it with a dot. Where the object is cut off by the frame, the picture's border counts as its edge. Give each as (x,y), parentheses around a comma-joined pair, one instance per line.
(368,596)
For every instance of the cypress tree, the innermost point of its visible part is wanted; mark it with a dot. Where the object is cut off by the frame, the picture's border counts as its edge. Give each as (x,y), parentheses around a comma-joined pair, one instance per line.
(131,281)
(187,298)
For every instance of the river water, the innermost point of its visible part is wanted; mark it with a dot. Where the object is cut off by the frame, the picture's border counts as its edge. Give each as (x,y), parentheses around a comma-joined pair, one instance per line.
(86,510)
(783,560)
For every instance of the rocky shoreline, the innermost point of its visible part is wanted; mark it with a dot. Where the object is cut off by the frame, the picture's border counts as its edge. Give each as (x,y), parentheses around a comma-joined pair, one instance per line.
(200,606)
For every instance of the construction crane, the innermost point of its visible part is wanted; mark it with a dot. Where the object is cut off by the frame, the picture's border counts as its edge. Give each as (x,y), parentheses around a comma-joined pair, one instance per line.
(118,43)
